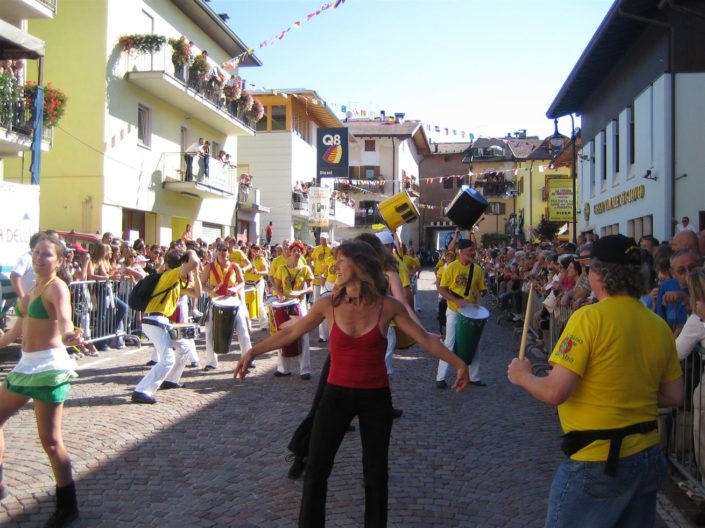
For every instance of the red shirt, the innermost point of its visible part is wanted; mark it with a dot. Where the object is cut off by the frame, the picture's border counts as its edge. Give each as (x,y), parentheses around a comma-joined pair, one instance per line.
(358,362)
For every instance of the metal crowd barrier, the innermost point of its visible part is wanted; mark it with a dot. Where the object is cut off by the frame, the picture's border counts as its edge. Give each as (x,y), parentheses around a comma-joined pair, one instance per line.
(100,309)
(682,429)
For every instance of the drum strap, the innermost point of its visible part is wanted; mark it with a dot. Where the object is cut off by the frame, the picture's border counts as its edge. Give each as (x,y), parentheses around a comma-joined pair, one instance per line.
(228,274)
(292,279)
(471,276)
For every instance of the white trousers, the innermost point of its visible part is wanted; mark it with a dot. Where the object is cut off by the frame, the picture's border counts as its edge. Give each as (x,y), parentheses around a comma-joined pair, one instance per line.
(261,308)
(241,328)
(474,368)
(170,365)
(284,363)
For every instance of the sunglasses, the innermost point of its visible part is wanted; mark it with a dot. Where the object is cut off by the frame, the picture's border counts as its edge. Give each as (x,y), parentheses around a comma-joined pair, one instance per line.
(222,250)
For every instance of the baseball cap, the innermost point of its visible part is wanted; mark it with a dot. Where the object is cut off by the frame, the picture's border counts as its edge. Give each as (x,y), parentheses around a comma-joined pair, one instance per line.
(463,243)
(616,249)
(385,237)
(324,234)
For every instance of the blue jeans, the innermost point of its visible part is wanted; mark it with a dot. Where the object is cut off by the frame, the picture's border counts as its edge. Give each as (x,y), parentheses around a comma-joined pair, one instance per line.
(582,495)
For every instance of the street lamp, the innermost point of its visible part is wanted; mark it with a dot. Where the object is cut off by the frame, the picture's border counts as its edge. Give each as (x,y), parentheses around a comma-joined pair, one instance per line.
(556,142)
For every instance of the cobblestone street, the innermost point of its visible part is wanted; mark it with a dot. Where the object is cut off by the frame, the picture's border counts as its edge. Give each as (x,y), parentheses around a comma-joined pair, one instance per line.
(212,454)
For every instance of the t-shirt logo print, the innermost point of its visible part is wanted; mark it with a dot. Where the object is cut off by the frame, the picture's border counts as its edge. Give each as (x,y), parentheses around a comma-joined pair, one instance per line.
(461,281)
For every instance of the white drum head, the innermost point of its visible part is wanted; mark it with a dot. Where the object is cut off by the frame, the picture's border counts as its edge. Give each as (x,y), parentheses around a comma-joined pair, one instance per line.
(474,311)
(284,304)
(226,302)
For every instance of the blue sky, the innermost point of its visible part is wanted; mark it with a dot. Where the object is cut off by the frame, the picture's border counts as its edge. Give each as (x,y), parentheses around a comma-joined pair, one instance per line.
(485,67)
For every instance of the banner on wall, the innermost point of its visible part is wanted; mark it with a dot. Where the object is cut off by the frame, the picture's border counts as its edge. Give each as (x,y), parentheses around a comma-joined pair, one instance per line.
(332,153)
(318,206)
(559,191)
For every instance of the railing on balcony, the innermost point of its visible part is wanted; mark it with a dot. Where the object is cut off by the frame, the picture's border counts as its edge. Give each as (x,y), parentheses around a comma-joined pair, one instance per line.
(15,114)
(367,217)
(352,186)
(495,188)
(221,177)
(160,61)
(51,4)
(299,202)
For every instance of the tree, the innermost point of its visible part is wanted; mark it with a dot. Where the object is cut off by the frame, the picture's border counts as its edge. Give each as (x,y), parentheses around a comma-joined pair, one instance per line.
(546,231)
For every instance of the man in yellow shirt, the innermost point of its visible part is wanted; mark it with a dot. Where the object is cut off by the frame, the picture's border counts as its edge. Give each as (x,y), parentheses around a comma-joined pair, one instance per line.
(278,262)
(155,321)
(238,256)
(294,279)
(454,288)
(318,262)
(614,365)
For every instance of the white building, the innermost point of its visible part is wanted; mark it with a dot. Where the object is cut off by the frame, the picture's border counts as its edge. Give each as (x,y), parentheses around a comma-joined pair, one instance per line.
(638,88)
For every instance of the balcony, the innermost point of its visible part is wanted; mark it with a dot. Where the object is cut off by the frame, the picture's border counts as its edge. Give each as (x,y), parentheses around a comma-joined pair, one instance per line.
(367,218)
(221,181)
(155,74)
(248,199)
(338,212)
(342,213)
(16,10)
(359,186)
(16,128)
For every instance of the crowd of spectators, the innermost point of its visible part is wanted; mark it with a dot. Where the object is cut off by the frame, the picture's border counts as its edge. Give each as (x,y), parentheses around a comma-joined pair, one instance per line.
(301,188)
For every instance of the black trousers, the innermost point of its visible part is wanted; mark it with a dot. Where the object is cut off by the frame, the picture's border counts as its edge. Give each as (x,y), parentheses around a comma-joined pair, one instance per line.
(337,407)
(302,436)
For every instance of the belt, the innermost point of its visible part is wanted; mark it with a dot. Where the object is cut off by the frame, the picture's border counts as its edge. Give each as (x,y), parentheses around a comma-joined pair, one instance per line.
(153,314)
(152,322)
(574,441)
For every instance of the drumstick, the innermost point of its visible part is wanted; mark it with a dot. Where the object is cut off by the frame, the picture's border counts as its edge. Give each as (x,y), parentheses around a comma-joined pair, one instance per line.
(525,330)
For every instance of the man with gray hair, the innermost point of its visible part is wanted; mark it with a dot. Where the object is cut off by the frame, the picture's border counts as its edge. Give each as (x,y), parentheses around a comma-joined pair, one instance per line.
(614,365)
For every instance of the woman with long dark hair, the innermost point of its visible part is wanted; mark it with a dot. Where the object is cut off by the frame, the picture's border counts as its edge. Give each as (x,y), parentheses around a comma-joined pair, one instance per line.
(358,314)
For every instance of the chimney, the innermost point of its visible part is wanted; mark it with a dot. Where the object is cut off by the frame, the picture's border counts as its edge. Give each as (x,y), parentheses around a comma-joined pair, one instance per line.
(399,117)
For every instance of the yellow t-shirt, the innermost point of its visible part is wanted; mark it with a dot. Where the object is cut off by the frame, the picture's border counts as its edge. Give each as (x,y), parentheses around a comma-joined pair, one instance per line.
(259,264)
(455,278)
(171,300)
(330,267)
(622,352)
(277,263)
(319,256)
(238,257)
(217,274)
(403,272)
(294,278)
(412,263)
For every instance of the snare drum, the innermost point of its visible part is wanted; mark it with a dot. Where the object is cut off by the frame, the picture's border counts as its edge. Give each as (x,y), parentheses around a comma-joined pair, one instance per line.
(223,313)
(280,313)
(185,331)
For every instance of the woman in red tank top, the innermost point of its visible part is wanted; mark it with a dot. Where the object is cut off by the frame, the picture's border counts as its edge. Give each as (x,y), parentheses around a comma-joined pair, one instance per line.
(358,314)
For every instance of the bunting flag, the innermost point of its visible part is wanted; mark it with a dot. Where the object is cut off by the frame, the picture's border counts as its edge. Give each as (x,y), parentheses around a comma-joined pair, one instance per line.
(233,63)
(462,134)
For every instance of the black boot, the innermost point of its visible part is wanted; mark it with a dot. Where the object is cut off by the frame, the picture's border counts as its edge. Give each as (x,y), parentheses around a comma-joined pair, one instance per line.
(66,507)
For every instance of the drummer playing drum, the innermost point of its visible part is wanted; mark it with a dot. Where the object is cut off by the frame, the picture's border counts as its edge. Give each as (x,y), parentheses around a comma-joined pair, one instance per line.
(225,280)
(454,288)
(293,280)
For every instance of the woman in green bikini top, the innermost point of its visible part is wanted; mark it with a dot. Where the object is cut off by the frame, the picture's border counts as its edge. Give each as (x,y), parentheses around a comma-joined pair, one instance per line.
(44,370)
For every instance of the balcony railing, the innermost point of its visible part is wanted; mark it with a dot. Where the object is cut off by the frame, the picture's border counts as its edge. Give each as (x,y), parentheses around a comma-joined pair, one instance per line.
(51,4)
(366,218)
(15,115)
(352,186)
(208,91)
(220,180)
(495,188)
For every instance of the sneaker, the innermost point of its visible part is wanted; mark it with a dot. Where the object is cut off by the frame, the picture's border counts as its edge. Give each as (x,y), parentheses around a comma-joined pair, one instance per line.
(166,385)
(278,374)
(208,367)
(441,384)
(305,377)
(141,397)
(193,364)
(321,340)
(298,466)
(151,363)
(396,413)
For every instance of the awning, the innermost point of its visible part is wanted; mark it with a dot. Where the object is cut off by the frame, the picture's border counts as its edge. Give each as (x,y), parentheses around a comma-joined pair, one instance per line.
(18,44)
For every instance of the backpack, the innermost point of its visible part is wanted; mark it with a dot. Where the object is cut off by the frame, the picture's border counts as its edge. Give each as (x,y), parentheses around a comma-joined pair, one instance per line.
(143,292)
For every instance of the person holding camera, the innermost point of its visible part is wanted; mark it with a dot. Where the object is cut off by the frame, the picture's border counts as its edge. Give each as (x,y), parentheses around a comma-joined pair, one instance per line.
(155,321)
